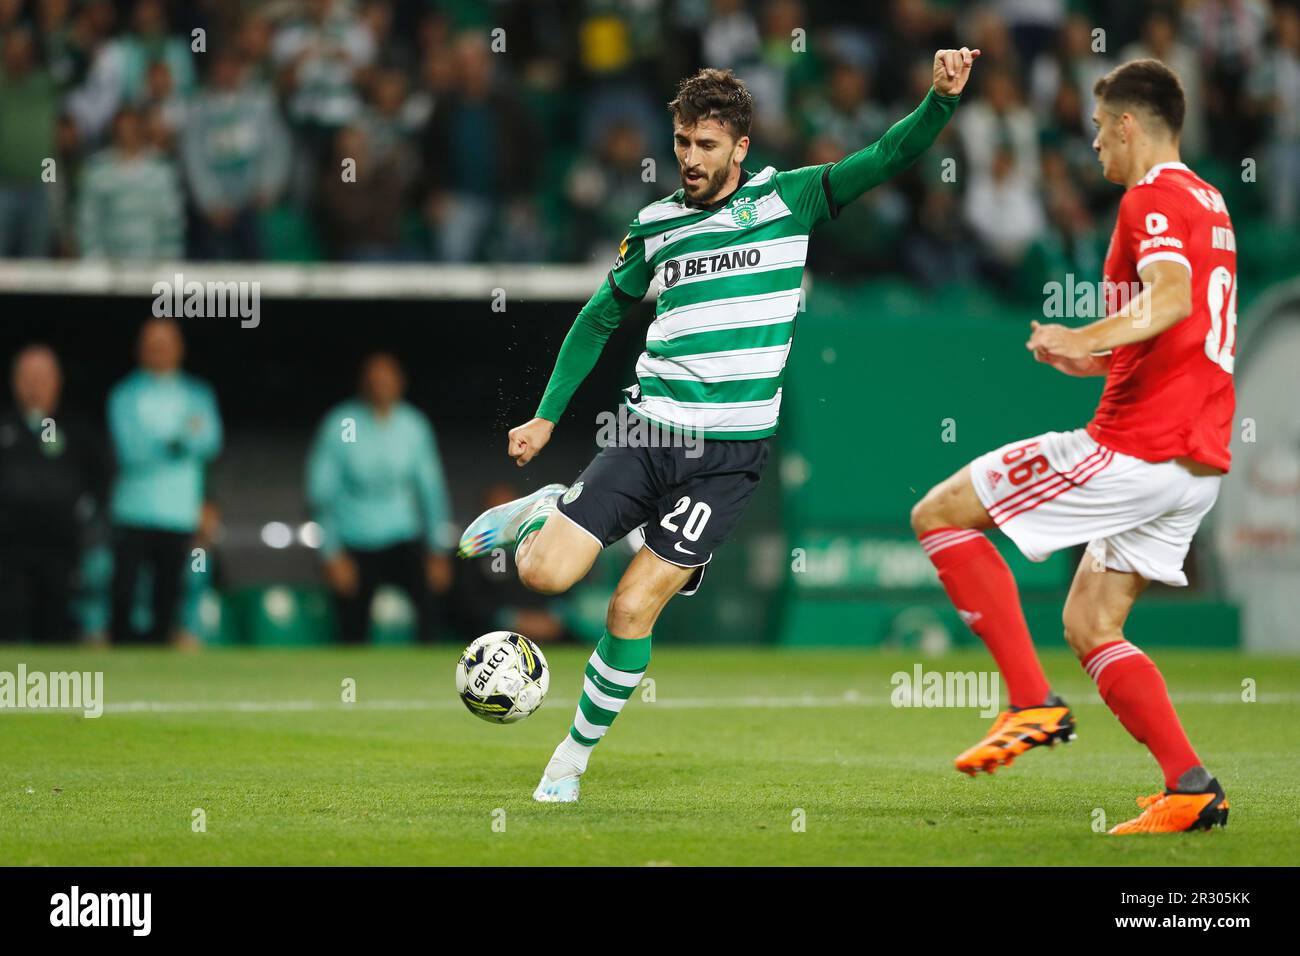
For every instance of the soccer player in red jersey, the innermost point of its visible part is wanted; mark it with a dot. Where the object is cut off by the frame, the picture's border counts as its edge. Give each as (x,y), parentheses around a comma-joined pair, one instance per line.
(1133,485)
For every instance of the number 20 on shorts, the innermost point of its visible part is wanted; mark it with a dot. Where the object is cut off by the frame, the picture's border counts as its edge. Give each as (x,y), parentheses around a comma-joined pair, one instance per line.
(695,521)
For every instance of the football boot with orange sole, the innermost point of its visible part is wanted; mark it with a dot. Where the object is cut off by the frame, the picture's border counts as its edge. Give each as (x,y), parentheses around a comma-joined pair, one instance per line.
(1197,803)
(1017,731)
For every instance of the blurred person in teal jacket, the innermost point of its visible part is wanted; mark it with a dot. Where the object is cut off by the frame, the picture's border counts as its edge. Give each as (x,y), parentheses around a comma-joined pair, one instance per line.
(376,487)
(165,429)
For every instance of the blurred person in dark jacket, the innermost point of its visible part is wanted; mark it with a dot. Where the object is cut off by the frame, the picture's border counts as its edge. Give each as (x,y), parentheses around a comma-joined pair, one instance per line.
(605,183)
(481,160)
(361,200)
(53,475)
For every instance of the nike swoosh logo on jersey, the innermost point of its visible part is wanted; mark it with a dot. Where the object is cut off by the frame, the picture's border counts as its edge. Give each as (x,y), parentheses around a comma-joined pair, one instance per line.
(678,546)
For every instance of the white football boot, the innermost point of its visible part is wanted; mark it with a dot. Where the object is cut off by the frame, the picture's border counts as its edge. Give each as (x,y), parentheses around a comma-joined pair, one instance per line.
(561,779)
(498,526)
(562,790)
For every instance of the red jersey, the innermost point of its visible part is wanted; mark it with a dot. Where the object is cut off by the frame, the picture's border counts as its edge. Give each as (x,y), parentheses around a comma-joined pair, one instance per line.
(1172,395)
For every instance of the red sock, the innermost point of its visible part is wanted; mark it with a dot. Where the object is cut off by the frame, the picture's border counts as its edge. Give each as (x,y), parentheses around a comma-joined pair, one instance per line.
(1131,685)
(981,587)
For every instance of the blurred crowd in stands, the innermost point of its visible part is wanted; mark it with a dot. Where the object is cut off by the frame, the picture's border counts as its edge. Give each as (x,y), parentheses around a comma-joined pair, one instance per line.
(518,130)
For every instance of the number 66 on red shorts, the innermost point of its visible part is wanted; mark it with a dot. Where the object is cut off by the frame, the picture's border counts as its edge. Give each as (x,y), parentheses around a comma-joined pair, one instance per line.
(1063,489)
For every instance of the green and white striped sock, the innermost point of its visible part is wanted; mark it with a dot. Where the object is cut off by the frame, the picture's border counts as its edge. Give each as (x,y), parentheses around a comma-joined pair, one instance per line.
(614,670)
(541,511)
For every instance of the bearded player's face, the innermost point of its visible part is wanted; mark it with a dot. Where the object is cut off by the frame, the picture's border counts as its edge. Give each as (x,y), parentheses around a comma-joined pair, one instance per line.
(706,154)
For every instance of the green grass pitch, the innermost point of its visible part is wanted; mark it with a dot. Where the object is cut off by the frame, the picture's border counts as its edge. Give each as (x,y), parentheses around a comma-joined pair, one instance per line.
(714,771)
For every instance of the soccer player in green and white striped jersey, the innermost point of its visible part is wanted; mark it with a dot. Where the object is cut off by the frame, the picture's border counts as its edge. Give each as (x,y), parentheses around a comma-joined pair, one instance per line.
(726,252)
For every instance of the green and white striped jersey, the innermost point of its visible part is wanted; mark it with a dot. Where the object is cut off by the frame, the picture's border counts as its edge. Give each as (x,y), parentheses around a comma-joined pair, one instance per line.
(729,279)
(130,208)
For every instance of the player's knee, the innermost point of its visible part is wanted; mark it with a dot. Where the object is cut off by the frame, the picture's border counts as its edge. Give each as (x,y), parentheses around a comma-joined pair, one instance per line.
(1084,632)
(928,514)
(542,577)
(629,609)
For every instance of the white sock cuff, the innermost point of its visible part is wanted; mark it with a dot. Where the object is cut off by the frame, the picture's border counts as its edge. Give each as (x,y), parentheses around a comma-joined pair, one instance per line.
(570,758)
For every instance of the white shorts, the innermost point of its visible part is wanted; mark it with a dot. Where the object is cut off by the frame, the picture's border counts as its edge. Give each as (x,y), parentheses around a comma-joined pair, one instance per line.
(1063,489)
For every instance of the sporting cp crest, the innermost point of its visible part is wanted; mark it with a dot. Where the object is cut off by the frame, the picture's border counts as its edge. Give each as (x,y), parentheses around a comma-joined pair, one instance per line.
(571,495)
(743,212)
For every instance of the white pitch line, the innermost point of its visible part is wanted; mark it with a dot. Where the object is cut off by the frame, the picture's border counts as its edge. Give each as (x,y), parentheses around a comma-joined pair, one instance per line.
(755,702)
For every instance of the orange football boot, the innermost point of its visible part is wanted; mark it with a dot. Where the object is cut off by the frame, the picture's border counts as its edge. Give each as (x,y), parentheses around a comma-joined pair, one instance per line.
(1178,811)
(1016,731)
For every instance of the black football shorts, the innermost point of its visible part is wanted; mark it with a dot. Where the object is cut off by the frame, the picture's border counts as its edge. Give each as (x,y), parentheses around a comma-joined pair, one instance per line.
(687,504)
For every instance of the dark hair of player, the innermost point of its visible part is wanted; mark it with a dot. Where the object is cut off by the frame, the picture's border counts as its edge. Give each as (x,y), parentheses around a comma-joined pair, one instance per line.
(714,94)
(1148,84)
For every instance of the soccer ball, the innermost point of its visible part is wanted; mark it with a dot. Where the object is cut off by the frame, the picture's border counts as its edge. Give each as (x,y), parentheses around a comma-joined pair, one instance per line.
(502,677)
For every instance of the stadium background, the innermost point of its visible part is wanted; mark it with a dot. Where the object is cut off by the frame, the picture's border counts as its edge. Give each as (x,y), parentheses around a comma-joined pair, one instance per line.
(917,299)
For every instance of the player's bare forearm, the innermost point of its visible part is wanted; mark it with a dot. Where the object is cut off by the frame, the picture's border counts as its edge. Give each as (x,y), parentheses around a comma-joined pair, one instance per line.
(1093,365)
(1165,300)
(1079,368)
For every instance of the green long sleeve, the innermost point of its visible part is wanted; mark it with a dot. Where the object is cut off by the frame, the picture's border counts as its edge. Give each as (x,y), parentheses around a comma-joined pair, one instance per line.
(583,345)
(888,156)
(813,194)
